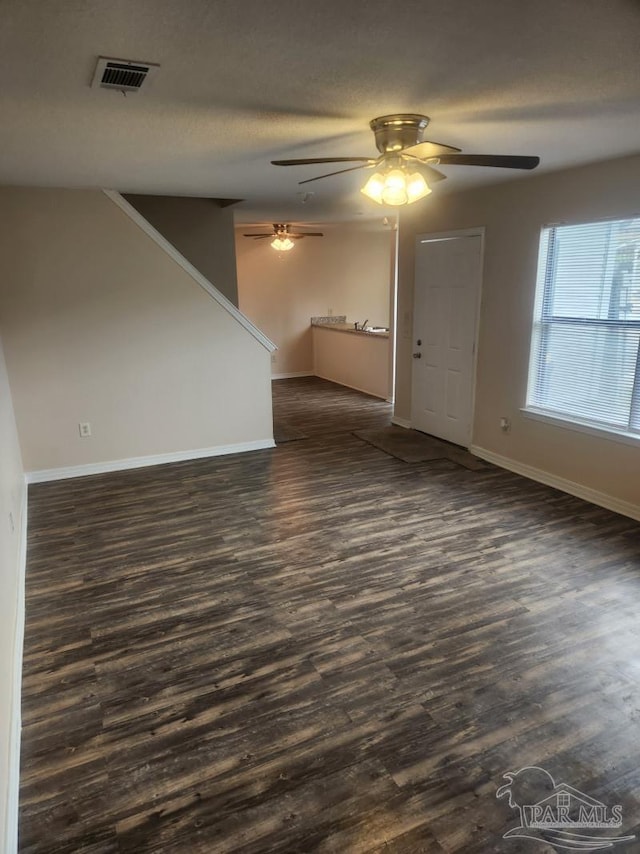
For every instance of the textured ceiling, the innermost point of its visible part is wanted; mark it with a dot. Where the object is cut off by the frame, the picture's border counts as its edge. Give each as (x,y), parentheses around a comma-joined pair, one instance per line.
(245,81)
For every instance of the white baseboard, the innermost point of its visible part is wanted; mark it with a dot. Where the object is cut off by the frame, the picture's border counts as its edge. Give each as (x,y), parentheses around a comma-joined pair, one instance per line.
(625,508)
(401,422)
(140,462)
(13,783)
(292,376)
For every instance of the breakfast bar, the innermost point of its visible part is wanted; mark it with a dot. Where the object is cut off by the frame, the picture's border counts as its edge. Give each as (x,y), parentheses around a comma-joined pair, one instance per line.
(349,355)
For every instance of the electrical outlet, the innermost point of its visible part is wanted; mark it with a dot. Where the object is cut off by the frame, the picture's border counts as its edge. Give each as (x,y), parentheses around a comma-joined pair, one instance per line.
(505,424)
(84,428)
(330,312)
(273,358)
(11,522)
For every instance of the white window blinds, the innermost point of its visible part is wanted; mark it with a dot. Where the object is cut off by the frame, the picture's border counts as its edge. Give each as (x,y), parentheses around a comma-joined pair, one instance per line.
(585,351)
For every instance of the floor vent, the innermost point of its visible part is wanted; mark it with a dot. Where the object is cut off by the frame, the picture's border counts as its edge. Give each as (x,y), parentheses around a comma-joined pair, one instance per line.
(123,75)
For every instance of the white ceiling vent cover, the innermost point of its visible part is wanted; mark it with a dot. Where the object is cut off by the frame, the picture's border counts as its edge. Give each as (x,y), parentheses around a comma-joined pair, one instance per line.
(123,75)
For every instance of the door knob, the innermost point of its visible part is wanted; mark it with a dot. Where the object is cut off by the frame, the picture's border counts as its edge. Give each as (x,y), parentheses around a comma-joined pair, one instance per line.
(417,355)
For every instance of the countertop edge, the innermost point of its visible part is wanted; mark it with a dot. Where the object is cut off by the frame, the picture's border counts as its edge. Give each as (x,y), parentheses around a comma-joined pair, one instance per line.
(335,327)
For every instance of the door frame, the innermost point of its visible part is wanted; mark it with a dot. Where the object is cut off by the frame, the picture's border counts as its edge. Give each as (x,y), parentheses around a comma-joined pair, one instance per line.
(433,237)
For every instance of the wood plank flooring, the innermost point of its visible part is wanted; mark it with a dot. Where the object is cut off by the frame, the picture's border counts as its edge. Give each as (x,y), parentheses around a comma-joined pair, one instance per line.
(320,648)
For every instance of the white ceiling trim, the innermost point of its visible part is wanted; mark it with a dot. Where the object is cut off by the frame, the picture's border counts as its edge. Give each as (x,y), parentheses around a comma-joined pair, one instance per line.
(195,274)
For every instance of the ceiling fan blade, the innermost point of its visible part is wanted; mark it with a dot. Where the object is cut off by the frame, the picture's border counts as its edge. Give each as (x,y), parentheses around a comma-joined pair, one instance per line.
(431,175)
(426,149)
(339,172)
(308,160)
(504,161)
(260,236)
(307,234)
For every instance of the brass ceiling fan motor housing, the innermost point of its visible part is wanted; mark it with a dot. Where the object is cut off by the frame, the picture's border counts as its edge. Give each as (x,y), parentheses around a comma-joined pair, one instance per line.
(398,131)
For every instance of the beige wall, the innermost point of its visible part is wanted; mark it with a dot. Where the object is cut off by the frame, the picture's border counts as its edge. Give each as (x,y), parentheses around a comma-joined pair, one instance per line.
(345,272)
(100,325)
(200,230)
(12,495)
(513,214)
(348,358)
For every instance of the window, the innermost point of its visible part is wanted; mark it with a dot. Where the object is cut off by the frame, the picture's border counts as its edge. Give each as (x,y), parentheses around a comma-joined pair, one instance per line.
(585,350)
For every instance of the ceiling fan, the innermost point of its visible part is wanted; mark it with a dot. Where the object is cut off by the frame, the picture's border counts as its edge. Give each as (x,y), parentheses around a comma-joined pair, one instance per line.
(282,237)
(406,162)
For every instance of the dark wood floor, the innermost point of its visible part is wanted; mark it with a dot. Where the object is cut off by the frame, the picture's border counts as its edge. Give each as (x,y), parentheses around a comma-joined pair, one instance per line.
(321,648)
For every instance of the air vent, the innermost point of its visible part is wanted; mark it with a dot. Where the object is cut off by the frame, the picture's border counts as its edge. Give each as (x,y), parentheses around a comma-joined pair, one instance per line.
(123,75)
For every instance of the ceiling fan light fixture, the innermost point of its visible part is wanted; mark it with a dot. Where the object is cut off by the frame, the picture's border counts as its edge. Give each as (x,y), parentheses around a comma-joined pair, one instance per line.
(417,187)
(374,187)
(400,141)
(396,187)
(282,244)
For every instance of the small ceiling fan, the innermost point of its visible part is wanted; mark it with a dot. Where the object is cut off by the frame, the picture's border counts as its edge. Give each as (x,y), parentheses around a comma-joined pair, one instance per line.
(282,237)
(406,162)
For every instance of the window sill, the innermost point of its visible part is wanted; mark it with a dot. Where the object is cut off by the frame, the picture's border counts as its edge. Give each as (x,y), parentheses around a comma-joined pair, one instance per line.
(609,433)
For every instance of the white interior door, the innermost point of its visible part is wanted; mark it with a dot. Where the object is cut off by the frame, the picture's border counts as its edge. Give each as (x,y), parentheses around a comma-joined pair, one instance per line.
(447,290)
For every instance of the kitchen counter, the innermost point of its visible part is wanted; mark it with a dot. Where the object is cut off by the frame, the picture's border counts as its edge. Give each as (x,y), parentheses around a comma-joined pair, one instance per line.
(350,327)
(351,357)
